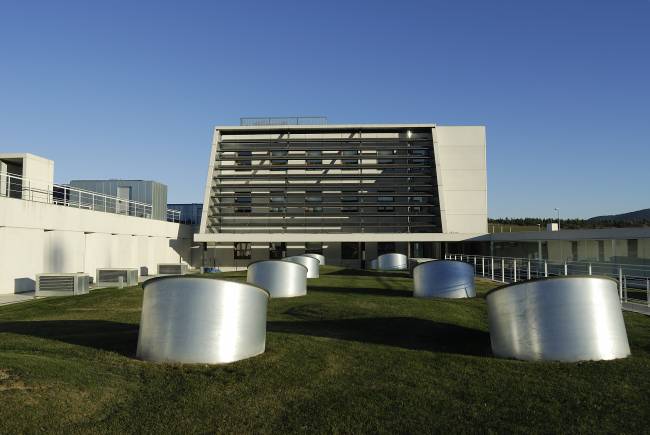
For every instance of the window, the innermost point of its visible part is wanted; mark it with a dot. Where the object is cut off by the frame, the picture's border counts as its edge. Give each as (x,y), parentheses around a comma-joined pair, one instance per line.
(385,248)
(242,251)
(279,161)
(313,197)
(574,251)
(350,153)
(633,248)
(385,161)
(246,163)
(350,208)
(417,200)
(314,161)
(314,248)
(384,198)
(421,156)
(278,201)
(245,202)
(350,251)
(277,250)
(601,250)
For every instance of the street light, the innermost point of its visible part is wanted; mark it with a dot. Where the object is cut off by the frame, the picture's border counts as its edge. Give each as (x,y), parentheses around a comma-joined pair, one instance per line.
(557,210)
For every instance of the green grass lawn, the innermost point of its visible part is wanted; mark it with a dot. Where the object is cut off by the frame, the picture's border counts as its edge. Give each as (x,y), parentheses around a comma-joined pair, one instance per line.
(358,354)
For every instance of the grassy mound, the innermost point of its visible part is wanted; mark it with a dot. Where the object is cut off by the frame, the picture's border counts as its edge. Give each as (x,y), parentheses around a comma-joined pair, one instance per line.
(357,354)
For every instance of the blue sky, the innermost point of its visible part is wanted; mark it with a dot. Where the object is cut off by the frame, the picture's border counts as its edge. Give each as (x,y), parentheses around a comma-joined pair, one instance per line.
(127,89)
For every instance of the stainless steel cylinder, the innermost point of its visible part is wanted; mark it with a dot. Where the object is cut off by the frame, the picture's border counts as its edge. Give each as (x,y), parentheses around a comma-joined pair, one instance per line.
(392,261)
(282,279)
(311,263)
(443,279)
(199,320)
(319,257)
(575,318)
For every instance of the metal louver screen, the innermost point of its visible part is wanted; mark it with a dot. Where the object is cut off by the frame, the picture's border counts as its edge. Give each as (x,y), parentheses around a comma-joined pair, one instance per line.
(112,275)
(170,269)
(56,283)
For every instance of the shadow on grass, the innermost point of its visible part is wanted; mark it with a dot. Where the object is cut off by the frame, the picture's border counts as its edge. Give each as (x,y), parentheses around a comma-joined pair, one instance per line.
(362,272)
(386,291)
(404,332)
(116,337)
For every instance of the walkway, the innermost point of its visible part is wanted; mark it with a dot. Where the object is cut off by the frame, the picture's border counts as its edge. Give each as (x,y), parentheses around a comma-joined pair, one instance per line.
(14,298)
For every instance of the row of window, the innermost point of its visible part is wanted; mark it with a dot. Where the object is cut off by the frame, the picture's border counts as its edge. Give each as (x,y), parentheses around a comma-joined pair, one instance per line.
(278,197)
(349,250)
(314,157)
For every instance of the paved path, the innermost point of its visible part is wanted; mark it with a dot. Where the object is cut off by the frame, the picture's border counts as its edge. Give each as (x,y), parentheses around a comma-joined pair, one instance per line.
(636,308)
(14,298)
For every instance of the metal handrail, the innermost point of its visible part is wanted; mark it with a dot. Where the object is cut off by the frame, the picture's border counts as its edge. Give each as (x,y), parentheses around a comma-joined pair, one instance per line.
(18,187)
(633,279)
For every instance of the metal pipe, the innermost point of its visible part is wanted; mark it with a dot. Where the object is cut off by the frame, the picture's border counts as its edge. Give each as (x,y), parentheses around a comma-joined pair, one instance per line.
(492,267)
(319,257)
(392,261)
(443,279)
(312,264)
(571,319)
(282,279)
(198,320)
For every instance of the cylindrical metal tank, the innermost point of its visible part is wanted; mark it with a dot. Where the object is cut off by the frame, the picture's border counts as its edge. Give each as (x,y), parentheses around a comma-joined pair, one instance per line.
(392,261)
(319,257)
(373,264)
(282,279)
(311,263)
(200,320)
(443,279)
(576,318)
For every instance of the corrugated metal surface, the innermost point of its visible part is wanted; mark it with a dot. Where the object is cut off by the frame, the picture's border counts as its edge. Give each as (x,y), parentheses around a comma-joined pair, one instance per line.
(146,191)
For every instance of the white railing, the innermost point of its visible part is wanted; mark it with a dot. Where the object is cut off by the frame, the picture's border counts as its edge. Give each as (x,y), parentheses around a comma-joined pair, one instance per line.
(15,186)
(633,279)
(173,215)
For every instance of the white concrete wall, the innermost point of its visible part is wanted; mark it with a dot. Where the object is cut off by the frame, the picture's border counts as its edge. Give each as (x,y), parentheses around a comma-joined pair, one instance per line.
(37,237)
(460,154)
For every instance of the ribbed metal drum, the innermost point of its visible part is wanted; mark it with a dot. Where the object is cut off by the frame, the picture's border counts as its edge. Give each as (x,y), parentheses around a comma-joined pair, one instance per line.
(311,263)
(443,279)
(571,319)
(319,257)
(199,320)
(282,279)
(392,261)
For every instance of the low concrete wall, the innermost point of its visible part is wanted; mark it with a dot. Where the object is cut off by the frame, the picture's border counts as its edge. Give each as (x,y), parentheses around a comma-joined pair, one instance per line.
(37,238)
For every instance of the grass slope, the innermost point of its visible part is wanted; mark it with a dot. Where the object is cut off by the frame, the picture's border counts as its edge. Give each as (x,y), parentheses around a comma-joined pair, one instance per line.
(358,354)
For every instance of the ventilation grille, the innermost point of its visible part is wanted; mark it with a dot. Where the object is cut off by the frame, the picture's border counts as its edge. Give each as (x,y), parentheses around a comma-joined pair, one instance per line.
(56,283)
(111,276)
(172,269)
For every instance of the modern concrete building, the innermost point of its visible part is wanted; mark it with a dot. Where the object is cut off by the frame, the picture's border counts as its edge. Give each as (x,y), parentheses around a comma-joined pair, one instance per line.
(49,228)
(190,213)
(607,245)
(349,192)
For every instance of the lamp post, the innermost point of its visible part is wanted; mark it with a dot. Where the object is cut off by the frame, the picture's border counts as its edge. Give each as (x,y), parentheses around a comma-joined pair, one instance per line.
(557,210)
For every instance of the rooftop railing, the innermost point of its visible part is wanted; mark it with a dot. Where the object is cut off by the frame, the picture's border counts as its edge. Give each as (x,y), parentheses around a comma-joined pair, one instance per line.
(633,279)
(15,186)
(285,120)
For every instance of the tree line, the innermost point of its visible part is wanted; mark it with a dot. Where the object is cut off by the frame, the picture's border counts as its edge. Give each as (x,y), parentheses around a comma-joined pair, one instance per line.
(570,224)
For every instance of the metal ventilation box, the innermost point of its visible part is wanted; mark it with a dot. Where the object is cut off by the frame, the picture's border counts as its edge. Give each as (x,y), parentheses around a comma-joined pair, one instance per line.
(172,269)
(111,277)
(62,284)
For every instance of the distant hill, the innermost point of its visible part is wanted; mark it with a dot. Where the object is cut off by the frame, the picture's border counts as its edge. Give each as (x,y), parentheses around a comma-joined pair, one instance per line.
(633,216)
